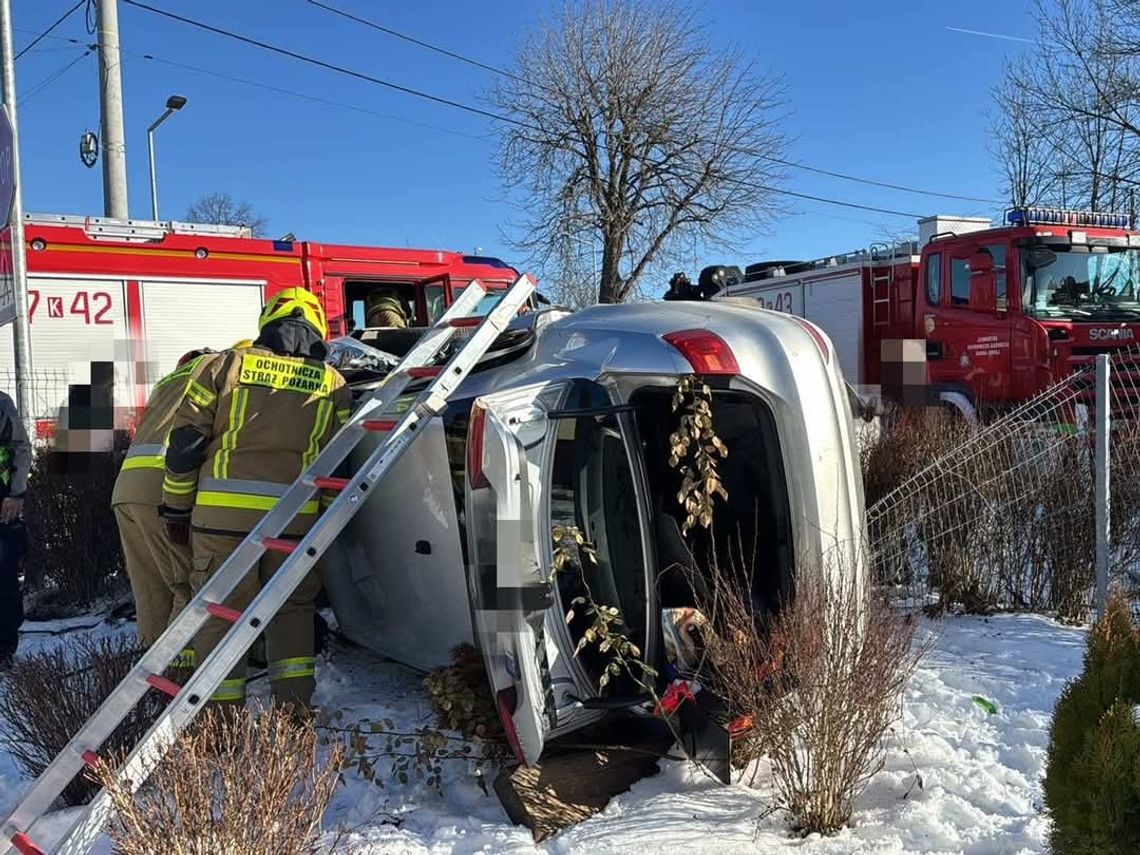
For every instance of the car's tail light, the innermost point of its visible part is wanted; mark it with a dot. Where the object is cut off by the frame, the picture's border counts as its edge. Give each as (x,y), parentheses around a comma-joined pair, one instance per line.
(817,337)
(507,701)
(705,351)
(475,433)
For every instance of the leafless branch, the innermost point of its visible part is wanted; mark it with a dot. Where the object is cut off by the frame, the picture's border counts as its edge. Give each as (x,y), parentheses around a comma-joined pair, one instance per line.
(633,131)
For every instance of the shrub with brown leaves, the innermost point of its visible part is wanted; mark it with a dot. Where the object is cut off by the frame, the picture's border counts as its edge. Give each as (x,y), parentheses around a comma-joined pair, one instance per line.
(235,782)
(821,682)
(48,696)
(461,695)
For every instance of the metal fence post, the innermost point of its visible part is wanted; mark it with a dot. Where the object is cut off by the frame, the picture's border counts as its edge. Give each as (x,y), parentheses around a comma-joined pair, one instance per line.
(1103,485)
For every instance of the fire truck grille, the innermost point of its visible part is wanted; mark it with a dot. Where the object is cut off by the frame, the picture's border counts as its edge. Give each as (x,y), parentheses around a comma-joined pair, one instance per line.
(1124,379)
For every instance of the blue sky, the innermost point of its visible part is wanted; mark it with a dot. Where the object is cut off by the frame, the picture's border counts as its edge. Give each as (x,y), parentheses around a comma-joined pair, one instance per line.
(880,89)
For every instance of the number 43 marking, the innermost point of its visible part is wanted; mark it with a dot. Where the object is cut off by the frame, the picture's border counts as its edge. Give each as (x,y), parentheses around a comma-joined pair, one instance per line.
(92,308)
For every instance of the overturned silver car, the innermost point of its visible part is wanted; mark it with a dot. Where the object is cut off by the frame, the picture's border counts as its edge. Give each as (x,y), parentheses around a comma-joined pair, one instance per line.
(566,421)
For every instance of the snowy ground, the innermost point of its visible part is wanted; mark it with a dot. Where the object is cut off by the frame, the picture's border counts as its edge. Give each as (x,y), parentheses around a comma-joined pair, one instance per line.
(980,773)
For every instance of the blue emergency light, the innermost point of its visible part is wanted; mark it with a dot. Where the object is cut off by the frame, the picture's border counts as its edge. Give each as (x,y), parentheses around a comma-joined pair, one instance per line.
(1062,217)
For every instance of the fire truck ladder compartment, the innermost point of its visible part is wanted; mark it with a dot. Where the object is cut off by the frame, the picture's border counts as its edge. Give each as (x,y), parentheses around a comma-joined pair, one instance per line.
(373,416)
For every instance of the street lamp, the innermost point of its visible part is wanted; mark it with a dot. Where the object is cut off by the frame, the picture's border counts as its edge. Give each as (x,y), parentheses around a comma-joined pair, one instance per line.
(173,104)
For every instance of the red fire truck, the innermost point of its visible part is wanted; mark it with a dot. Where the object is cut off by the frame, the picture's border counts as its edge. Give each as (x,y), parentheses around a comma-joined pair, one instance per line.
(998,312)
(139,294)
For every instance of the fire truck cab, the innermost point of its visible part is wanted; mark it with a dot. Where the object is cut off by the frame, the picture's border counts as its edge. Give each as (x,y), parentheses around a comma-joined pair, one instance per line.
(986,313)
(112,304)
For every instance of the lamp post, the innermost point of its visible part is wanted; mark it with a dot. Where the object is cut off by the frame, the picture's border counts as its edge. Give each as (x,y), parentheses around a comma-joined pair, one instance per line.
(173,104)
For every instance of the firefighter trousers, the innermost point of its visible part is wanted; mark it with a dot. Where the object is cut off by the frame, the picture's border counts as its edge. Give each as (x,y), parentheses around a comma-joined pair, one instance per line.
(159,571)
(289,642)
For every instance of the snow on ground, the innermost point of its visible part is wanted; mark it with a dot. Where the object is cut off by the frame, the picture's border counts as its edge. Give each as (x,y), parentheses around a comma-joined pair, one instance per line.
(980,773)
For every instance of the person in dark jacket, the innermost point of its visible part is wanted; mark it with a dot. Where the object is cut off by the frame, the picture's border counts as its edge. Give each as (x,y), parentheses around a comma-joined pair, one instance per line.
(15,464)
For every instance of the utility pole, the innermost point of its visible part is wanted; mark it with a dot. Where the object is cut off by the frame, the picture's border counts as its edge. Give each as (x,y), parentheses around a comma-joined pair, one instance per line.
(16,234)
(111,110)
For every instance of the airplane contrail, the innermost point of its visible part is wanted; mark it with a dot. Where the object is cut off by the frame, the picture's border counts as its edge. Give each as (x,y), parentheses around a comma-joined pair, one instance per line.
(990,35)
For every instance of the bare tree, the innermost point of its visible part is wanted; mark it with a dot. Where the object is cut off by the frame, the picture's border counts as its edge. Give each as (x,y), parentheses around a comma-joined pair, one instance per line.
(627,127)
(1024,155)
(572,286)
(1068,125)
(223,209)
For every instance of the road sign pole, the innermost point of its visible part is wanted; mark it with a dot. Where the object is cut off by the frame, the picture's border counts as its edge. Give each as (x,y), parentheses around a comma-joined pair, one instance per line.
(15,216)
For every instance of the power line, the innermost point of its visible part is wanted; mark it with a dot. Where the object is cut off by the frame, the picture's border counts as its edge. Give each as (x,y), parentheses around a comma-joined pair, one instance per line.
(258,84)
(52,78)
(459,105)
(320,63)
(503,72)
(768,189)
(418,42)
(886,184)
(48,31)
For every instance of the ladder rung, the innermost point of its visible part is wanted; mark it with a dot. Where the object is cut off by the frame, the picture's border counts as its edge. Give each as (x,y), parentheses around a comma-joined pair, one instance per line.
(223,612)
(90,758)
(277,544)
(378,424)
(24,845)
(168,687)
(420,371)
(465,323)
(330,483)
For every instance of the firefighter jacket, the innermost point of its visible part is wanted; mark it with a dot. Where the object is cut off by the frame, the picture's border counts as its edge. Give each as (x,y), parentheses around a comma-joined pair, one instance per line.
(140,478)
(247,428)
(15,451)
(385,311)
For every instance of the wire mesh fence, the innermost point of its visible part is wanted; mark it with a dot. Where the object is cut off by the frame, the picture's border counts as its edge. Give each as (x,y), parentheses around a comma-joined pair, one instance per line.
(1003,517)
(48,388)
(49,391)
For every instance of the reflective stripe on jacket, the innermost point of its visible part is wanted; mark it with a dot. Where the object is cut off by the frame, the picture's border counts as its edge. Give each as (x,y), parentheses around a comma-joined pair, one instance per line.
(140,477)
(247,428)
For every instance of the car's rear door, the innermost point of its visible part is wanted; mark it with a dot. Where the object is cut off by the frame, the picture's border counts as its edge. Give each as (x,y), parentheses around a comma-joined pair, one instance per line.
(510,590)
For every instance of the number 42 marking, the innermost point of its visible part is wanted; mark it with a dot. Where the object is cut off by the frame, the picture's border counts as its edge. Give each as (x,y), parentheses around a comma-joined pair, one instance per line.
(92,308)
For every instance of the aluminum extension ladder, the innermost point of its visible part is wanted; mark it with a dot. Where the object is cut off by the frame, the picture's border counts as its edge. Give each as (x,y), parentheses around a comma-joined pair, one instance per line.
(372,416)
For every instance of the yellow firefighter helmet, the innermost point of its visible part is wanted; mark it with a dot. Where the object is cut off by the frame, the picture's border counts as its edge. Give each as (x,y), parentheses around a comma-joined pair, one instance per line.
(290,302)
(244,344)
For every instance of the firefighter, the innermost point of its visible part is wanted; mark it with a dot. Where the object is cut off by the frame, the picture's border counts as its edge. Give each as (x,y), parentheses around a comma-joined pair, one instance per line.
(384,308)
(159,571)
(247,428)
(15,463)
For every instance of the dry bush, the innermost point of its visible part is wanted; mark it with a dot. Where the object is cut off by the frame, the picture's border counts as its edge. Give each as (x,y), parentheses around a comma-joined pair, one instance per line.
(821,683)
(1005,520)
(73,541)
(897,448)
(234,782)
(49,695)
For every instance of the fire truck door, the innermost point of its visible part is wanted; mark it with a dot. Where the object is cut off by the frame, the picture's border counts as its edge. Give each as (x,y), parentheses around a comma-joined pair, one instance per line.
(433,299)
(976,344)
